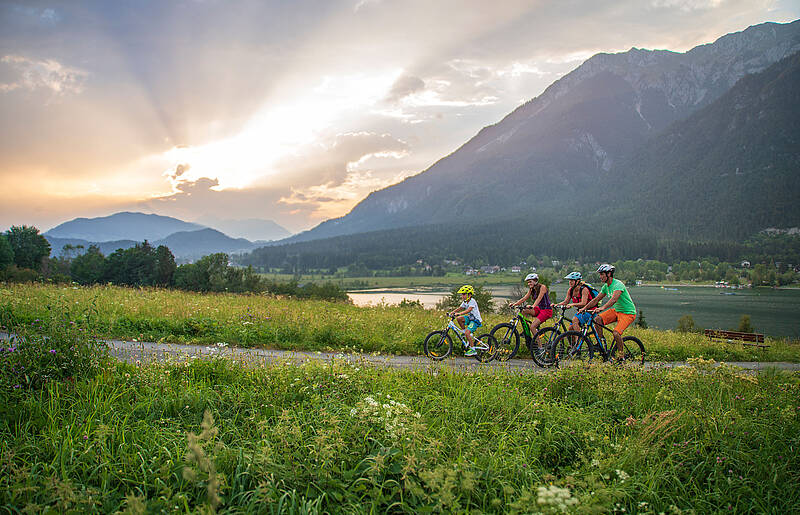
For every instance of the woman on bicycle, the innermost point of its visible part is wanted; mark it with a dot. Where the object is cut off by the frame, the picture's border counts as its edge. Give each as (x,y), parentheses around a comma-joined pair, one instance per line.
(578,295)
(541,309)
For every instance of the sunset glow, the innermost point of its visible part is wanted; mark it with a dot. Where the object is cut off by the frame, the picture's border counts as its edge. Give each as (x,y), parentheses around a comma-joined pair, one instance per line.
(291,112)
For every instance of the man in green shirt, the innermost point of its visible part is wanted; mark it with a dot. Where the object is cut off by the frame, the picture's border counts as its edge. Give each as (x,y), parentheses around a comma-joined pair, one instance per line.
(623,311)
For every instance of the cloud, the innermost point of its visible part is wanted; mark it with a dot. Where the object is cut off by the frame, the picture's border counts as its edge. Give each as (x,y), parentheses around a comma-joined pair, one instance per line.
(403,87)
(49,74)
(687,5)
(318,182)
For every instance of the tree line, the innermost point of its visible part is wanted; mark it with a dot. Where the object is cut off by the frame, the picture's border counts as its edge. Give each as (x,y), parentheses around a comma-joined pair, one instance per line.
(425,250)
(25,256)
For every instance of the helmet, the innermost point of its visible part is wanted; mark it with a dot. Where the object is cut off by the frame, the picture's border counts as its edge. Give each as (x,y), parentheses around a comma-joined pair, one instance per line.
(606,268)
(529,277)
(574,276)
(467,289)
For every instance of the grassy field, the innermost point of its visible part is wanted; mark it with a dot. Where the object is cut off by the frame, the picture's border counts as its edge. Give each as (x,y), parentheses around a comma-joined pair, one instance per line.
(83,434)
(260,321)
(199,437)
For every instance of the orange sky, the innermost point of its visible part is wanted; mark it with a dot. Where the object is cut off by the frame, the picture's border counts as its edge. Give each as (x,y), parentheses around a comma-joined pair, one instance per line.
(292,111)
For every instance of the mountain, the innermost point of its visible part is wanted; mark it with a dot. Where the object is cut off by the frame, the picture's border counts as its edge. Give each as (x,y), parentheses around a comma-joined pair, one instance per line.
(121,226)
(106,247)
(730,170)
(183,244)
(196,244)
(253,229)
(551,152)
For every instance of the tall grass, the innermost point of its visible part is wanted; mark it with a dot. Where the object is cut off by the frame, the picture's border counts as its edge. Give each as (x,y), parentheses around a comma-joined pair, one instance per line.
(263,321)
(345,438)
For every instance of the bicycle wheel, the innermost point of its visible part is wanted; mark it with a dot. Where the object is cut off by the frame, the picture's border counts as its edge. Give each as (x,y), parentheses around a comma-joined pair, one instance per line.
(438,345)
(507,341)
(486,348)
(543,341)
(569,346)
(634,350)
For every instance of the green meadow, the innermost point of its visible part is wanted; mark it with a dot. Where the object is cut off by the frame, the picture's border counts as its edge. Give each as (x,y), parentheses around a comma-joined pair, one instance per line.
(82,433)
(162,315)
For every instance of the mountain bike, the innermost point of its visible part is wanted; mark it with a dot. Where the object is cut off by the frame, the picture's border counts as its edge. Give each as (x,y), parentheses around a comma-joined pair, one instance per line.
(506,335)
(572,344)
(545,338)
(439,344)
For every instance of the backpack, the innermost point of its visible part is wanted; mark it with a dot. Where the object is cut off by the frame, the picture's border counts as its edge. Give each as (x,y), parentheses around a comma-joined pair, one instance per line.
(592,291)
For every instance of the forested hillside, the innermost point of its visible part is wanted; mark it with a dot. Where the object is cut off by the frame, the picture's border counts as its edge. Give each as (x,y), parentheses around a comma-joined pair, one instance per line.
(726,172)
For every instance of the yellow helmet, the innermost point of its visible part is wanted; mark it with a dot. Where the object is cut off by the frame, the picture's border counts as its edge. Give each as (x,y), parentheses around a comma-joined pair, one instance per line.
(467,289)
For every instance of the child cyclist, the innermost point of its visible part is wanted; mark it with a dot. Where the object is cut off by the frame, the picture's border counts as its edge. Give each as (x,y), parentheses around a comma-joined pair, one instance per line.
(468,316)
(619,307)
(540,309)
(578,295)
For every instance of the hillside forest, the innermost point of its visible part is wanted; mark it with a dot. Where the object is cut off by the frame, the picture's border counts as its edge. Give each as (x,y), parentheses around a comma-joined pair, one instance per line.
(768,259)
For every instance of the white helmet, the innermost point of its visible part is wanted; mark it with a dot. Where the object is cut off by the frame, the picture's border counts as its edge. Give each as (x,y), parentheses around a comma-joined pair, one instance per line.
(529,277)
(606,268)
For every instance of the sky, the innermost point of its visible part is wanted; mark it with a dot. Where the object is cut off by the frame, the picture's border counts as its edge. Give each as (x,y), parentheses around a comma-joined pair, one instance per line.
(291,111)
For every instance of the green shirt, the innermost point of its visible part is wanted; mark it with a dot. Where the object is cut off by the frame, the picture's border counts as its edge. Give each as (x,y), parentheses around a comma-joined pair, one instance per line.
(624,303)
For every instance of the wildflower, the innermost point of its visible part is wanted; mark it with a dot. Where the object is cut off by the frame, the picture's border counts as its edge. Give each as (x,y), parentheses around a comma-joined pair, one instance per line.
(52,351)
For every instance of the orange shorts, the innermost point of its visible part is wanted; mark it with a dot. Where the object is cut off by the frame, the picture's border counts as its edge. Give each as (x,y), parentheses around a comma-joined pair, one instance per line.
(623,320)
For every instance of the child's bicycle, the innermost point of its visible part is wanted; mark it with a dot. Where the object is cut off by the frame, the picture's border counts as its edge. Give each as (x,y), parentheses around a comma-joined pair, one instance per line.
(438,344)
(572,345)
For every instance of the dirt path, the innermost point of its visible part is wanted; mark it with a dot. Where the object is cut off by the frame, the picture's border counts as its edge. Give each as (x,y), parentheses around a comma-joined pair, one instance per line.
(149,351)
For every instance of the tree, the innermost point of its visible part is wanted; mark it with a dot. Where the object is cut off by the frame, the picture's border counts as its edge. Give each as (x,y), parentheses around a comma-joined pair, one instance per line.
(641,322)
(135,266)
(686,325)
(30,248)
(88,268)
(482,296)
(165,266)
(744,325)
(6,253)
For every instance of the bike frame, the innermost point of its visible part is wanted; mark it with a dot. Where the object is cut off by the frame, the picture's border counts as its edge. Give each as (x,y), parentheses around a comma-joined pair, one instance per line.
(526,327)
(562,321)
(599,340)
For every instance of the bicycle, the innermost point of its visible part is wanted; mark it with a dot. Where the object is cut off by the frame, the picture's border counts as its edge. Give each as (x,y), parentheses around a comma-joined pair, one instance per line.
(439,344)
(545,339)
(506,335)
(570,345)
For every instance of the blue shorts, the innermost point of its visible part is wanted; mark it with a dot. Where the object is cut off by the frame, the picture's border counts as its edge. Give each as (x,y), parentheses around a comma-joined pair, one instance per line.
(471,323)
(583,318)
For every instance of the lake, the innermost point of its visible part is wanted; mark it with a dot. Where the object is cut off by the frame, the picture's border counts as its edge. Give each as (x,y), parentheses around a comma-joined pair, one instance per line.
(772,312)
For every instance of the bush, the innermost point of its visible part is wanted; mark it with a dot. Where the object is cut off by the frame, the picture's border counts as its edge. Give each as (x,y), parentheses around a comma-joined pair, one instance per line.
(412,304)
(482,296)
(686,325)
(51,349)
(15,274)
(744,325)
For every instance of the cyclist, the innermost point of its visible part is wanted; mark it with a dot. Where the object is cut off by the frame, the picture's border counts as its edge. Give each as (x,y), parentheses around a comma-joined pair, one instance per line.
(578,295)
(468,316)
(619,307)
(541,309)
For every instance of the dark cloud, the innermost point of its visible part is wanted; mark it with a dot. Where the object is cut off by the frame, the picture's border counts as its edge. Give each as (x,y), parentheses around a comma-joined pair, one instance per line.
(404,86)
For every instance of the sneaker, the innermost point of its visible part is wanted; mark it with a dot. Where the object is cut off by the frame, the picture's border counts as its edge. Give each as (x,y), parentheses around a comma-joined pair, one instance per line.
(470,352)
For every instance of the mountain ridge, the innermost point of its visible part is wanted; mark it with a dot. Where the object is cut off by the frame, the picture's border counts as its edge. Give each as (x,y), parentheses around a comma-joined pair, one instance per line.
(576,131)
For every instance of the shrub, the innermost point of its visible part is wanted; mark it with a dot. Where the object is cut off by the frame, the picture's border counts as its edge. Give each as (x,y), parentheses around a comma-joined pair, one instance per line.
(412,304)
(50,349)
(482,295)
(686,325)
(744,325)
